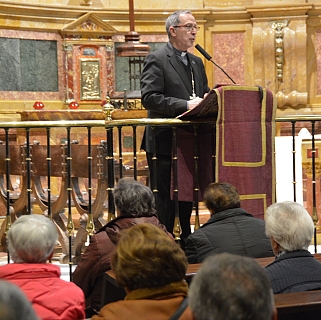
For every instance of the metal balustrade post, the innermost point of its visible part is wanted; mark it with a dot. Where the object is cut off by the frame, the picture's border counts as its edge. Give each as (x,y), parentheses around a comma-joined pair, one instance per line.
(120,153)
(70,223)
(293,160)
(135,151)
(90,228)
(49,173)
(28,170)
(196,172)
(48,160)
(7,161)
(154,164)
(177,228)
(213,137)
(110,173)
(314,201)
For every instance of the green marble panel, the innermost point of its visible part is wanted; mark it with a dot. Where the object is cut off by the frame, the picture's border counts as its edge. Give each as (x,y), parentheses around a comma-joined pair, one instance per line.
(28,65)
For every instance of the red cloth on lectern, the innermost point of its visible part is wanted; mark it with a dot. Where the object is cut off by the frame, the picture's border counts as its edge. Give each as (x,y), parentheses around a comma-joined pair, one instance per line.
(186,144)
(244,149)
(245,139)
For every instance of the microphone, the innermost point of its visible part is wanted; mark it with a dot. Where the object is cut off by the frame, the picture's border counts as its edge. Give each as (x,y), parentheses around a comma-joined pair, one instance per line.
(209,58)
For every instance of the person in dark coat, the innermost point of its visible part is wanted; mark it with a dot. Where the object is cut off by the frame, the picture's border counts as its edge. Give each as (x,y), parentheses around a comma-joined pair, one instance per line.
(230,229)
(173,81)
(135,204)
(290,228)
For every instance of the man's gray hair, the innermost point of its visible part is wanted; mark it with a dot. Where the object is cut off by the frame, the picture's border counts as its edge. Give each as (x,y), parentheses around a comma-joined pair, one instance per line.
(290,225)
(174,19)
(32,238)
(132,197)
(229,287)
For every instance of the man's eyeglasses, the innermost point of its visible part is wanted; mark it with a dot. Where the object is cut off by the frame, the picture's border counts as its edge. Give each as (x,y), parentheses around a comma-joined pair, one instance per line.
(189,27)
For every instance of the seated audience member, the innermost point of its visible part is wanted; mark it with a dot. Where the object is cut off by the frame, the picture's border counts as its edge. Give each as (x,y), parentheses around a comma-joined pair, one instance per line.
(151,268)
(135,203)
(229,229)
(229,287)
(290,228)
(14,305)
(31,242)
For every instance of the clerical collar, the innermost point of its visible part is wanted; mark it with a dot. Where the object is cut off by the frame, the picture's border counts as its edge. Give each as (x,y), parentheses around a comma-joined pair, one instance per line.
(181,55)
(177,51)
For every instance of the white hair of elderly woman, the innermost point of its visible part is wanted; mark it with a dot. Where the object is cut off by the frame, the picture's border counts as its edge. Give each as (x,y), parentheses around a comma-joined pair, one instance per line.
(32,239)
(290,225)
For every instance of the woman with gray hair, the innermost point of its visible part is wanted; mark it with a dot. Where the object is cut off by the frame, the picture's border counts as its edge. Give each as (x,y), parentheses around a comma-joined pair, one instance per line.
(31,242)
(290,228)
(135,204)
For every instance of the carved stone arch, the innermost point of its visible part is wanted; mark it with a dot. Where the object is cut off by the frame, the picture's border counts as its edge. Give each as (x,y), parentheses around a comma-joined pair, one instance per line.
(89,25)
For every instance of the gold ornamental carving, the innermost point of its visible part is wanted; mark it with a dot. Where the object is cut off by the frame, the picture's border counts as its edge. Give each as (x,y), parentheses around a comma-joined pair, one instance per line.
(90,79)
(278,27)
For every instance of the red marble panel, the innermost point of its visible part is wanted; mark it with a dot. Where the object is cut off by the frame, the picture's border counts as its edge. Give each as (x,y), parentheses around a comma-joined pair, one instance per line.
(318,58)
(228,53)
(69,77)
(110,71)
(154,38)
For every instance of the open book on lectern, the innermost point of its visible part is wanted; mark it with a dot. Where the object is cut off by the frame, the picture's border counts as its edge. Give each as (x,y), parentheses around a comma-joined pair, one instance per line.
(207,108)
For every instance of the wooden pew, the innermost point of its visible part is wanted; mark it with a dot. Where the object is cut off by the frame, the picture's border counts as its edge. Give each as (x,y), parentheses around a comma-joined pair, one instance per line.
(294,306)
(113,292)
(192,268)
(299,305)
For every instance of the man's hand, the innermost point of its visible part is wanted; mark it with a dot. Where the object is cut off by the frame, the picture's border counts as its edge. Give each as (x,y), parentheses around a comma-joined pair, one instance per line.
(191,104)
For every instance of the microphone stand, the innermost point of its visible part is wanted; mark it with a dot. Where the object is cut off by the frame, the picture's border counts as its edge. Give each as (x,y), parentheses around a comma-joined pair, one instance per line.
(209,58)
(215,64)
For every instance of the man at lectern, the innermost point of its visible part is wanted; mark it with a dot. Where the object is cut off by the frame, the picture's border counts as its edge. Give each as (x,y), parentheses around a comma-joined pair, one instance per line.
(172,82)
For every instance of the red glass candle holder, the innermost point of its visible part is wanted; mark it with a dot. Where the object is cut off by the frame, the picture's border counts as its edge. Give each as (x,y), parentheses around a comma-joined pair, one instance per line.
(38,105)
(73,105)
